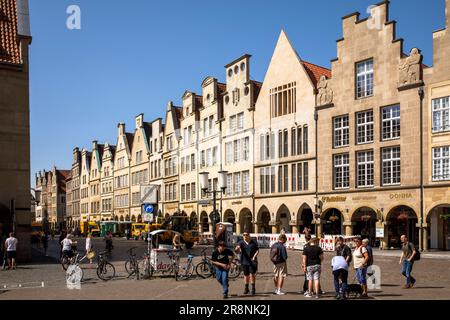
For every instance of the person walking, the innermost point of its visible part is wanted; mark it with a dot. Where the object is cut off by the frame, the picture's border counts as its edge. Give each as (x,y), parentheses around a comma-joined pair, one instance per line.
(407,261)
(11,249)
(312,265)
(360,259)
(249,250)
(89,247)
(109,242)
(44,241)
(340,268)
(278,256)
(62,236)
(221,259)
(305,282)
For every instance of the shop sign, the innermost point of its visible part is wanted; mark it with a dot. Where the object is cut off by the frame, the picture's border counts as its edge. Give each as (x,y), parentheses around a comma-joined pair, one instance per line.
(398,196)
(380,232)
(334,199)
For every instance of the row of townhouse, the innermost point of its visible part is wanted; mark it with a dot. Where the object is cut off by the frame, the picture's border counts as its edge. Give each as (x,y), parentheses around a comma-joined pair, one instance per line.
(358,149)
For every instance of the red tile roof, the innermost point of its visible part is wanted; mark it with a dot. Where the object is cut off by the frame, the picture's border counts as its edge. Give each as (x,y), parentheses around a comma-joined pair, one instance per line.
(315,72)
(9,44)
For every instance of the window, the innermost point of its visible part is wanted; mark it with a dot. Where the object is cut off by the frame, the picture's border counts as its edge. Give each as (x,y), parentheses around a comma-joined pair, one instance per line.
(192,162)
(391,122)
(285,143)
(441,114)
(245,182)
(268,147)
(280,144)
(267,180)
(183,192)
(237,150)
(193,191)
(229,152)
(283,100)
(205,128)
(299,140)
(233,123)
(306,176)
(202,159)
(229,184)
(365,169)
(364,124)
(341,131)
(240,121)
(299,177)
(262,148)
(305,140)
(294,177)
(364,79)
(214,156)
(341,171)
(391,166)
(286,178)
(293,142)
(237,184)
(280,178)
(188,192)
(441,164)
(246,148)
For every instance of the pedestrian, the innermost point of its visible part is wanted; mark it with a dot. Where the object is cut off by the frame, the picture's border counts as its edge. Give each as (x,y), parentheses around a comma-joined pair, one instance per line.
(249,250)
(305,282)
(360,259)
(176,242)
(53,234)
(11,248)
(407,261)
(109,242)
(62,236)
(340,268)
(44,241)
(67,244)
(278,256)
(221,259)
(312,265)
(366,244)
(89,247)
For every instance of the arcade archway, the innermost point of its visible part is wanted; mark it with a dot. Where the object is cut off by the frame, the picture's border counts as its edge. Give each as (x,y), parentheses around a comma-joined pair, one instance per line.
(283,219)
(230,217)
(305,218)
(264,220)
(438,221)
(364,220)
(402,220)
(246,220)
(332,222)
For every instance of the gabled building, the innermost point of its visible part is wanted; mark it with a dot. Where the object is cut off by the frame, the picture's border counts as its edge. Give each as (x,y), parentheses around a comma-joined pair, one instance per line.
(122,174)
(85,174)
(15,39)
(73,192)
(139,165)
(107,183)
(285,158)
(156,143)
(95,168)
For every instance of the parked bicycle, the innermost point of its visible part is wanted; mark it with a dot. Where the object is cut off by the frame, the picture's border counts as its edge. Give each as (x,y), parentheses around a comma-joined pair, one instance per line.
(145,267)
(105,270)
(185,272)
(74,267)
(236,269)
(132,264)
(204,268)
(68,260)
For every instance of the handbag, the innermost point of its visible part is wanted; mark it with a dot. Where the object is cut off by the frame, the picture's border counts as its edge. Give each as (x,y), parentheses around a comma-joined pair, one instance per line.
(91,254)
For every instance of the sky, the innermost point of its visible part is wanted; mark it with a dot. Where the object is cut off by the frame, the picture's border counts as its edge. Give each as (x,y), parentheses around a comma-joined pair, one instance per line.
(132,57)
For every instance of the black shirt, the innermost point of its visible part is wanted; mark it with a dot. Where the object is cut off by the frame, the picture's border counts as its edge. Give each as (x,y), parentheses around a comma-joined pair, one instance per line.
(223,257)
(312,254)
(248,251)
(344,251)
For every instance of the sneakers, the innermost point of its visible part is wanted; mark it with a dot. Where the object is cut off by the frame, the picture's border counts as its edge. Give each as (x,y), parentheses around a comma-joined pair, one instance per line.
(317,296)
(225,296)
(308,295)
(305,293)
(280,293)
(413,282)
(406,286)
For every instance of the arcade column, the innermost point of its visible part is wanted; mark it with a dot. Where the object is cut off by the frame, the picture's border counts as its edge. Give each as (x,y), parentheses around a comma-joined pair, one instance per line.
(257,227)
(425,237)
(348,227)
(238,227)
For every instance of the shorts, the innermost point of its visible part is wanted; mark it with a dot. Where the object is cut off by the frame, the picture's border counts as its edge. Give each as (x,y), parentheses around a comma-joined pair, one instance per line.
(250,269)
(11,254)
(361,275)
(280,270)
(313,272)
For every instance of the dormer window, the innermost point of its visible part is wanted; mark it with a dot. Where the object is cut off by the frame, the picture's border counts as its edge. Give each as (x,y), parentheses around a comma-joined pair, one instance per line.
(187,111)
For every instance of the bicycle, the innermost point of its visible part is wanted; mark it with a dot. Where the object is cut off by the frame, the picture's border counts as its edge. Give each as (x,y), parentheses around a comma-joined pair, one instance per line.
(204,268)
(185,272)
(66,260)
(74,267)
(236,269)
(175,263)
(105,270)
(145,267)
(132,265)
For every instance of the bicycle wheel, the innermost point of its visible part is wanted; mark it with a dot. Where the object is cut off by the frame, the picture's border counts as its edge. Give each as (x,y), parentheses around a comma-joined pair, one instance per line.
(235,271)
(106,271)
(186,272)
(74,275)
(145,268)
(204,270)
(65,262)
(129,266)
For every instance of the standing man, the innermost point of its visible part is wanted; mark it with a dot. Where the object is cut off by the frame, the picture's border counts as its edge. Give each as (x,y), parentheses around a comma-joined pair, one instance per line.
(249,253)
(340,267)
(11,248)
(221,259)
(312,265)
(407,258)
(45,242)
(278,255)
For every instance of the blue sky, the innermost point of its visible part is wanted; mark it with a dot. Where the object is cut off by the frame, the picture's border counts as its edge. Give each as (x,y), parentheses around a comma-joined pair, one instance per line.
(134,56)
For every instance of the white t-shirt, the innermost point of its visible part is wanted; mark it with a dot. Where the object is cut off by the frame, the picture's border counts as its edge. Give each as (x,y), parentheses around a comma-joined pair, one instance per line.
(88,244)
(11,244)
(67,244)
(339,262)
(358,256)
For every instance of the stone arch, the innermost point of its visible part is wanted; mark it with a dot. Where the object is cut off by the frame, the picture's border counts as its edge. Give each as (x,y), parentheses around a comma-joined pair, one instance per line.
(305,218)
(133,218)
(204,221)
(400,220)
(332,222)
(121,218)
(246,221)
(127,217)
(438,227)
(263,218)
(229,216)
(139,218)
(283,219)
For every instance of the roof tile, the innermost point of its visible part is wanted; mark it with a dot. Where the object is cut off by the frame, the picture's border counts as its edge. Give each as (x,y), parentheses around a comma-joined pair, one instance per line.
(9,44)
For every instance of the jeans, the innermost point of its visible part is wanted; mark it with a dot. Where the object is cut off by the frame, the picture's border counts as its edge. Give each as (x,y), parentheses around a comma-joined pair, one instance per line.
(406,271)
(222,277)
(361,275)
(343,274)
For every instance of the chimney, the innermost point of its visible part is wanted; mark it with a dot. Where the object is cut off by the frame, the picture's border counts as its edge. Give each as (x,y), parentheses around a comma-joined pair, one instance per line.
(121,127)
(169,105)
(94,145)
(139,121)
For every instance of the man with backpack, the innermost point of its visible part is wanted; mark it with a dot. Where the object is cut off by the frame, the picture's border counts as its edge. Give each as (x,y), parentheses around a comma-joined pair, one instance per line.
(278,256)
(409,255)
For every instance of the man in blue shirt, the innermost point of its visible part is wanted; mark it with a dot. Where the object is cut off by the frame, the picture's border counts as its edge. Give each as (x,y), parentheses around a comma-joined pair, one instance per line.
(249,250)
(278,256)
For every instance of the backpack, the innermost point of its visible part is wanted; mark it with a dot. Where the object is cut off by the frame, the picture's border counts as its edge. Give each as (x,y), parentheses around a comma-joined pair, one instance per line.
(370,254)
(275,255)
(417,255)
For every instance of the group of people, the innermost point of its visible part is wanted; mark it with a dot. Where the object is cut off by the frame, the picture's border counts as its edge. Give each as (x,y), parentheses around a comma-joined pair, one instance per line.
(311,264)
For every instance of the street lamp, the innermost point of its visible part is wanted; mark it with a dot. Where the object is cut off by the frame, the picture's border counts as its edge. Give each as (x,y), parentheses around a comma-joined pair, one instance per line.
(204,177)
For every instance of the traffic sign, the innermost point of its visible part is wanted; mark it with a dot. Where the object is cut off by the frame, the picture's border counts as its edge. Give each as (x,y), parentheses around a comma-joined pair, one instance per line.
(149,194)
(148,208)
(148,217)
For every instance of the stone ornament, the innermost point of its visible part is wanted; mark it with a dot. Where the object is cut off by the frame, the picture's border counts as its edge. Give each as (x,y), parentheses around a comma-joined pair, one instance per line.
(325,95)
(410,70)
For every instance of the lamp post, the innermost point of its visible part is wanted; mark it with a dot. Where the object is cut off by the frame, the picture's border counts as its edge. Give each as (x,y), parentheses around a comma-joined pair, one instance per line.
(222,187)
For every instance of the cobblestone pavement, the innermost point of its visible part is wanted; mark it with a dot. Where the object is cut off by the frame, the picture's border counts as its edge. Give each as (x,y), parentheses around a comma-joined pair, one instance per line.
(433,279)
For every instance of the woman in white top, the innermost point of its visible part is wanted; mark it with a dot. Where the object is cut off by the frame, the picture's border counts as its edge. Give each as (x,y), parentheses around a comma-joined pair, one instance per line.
(89,245)
(360,258)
